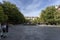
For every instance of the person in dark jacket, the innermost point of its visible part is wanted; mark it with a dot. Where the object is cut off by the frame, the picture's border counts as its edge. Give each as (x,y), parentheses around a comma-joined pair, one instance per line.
(4,27)
(6,31)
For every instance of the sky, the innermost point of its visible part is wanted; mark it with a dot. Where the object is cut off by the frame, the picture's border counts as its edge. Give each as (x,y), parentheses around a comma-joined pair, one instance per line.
(33,7)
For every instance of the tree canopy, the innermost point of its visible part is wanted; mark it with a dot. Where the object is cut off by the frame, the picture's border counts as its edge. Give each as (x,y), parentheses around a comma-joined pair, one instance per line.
(9,12)
(50,15)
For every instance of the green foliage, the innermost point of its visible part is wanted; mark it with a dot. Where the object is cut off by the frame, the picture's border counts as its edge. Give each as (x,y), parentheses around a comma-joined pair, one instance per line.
(49,15)
(9,12)
(3,17)
(36,20)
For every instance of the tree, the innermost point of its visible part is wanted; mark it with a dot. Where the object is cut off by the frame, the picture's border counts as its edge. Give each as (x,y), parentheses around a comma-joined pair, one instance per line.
(14,15)
(3,17)
(48,15)
(57,16)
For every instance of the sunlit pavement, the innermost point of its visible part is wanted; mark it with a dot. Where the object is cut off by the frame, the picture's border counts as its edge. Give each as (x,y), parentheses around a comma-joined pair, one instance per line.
(49,25)
(24,32)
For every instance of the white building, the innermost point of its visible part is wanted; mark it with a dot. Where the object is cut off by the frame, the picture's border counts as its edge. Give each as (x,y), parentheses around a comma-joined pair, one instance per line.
(57,7)
(31,18)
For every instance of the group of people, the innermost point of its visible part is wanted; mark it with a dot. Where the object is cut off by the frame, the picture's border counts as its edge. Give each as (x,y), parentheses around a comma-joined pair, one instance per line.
(3,30)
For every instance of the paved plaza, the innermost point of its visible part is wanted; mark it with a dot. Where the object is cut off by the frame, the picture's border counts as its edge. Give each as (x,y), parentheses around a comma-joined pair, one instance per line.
(35,32)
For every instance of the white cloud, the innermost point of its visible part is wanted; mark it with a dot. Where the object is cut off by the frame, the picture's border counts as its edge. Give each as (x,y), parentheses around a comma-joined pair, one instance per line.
(33,5)
(32,9)
(32,13)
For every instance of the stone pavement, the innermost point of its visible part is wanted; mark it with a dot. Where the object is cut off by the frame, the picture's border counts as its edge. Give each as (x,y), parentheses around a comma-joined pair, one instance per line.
(22,32)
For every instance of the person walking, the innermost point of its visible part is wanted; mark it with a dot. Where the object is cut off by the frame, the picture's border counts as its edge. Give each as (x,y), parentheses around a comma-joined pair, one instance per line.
(4,27)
